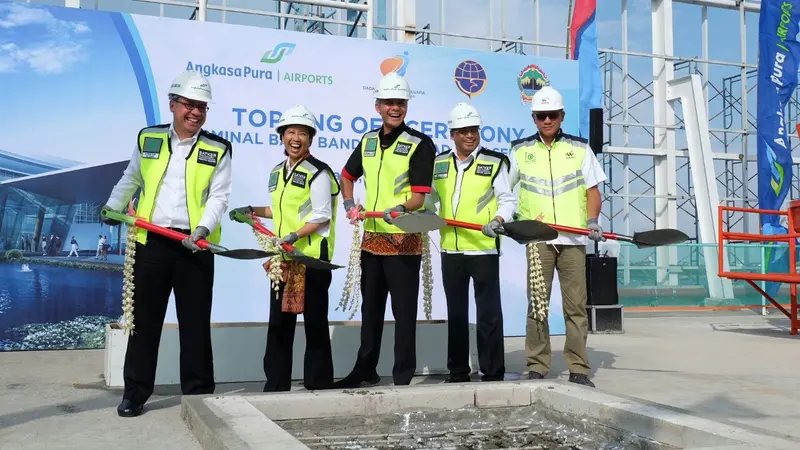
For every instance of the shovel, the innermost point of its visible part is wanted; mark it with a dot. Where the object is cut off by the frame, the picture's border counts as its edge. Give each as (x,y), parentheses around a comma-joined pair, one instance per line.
(291,251)
(523,231)
(414,222)
(178,236)
(643,239)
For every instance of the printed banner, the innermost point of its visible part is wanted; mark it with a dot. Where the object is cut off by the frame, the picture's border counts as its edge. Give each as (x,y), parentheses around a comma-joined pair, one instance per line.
(583,36)
(777,80)
(93,79)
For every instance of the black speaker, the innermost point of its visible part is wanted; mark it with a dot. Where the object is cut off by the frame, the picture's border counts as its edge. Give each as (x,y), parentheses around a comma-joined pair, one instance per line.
(596,130)
(601,280)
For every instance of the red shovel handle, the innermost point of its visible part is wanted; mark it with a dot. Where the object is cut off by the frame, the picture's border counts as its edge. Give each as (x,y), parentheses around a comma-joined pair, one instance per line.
(258,226)
(458,223)
(585,232)
(378,215)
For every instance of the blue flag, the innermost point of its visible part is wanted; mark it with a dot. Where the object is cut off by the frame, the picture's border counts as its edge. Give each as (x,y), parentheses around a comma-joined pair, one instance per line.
(779,53)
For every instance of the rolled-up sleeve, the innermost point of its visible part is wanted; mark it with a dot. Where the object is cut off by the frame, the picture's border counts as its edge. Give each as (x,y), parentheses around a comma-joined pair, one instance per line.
(219,193)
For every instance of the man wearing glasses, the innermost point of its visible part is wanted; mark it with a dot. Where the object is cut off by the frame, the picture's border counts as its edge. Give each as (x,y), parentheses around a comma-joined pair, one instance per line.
(183,175)
(470,184)
(558,176)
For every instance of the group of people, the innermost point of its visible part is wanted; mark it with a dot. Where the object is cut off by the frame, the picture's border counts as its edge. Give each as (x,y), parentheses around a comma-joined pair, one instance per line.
(183,174)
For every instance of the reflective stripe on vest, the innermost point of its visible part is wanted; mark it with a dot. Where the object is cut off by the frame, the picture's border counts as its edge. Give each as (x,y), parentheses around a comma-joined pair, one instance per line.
(476,203)
(155,152)
(386,178)
(551,184)
(291,206)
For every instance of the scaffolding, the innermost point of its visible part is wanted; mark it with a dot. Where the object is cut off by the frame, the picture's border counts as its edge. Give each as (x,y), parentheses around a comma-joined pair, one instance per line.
(650,182)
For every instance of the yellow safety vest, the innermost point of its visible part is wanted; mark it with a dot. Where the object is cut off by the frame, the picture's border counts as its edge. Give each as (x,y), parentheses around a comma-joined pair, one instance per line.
(155,151)
(477,202)
(386,176)
(291,205)
(551,183)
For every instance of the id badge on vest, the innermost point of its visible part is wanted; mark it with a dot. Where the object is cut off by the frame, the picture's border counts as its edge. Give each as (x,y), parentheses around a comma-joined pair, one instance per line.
(273,180)
(440,170)
(151,148)
(372,147)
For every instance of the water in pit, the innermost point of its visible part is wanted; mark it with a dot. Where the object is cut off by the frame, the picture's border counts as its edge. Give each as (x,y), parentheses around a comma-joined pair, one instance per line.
(464,429)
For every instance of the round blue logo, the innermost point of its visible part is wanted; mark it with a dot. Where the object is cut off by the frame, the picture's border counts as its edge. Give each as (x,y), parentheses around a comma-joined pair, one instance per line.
(470,78)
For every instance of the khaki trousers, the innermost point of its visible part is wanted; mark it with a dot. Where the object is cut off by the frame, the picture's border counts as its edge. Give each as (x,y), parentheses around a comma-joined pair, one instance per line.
(570,261)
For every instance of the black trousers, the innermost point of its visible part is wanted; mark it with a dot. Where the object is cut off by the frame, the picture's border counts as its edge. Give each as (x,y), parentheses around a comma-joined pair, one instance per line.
(380,276)
(161,266)
(484,270)
(318,360)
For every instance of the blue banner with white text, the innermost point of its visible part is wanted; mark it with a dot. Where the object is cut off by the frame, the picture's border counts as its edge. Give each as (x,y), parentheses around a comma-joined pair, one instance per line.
(779,52)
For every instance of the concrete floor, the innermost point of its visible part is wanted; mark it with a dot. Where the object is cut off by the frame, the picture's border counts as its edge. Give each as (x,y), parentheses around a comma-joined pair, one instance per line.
(727,366)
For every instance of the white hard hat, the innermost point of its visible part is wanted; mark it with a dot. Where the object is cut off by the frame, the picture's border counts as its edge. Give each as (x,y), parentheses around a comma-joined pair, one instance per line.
(464,115)
(393,86)
(547,99)
(192,85)
(297,115)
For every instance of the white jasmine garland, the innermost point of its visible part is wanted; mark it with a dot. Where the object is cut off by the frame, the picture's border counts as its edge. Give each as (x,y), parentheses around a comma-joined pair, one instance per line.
(270,244)
(127,280)
(537,288)
(351,293)
(427,276)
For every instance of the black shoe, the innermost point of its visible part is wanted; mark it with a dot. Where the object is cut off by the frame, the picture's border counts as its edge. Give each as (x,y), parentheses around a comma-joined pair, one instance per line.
(579,378)
(458,379)
(535,376)
(354,380)
(129,409)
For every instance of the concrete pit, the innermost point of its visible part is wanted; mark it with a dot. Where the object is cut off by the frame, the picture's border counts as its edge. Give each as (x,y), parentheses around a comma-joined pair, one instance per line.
(500,415)
(526,427)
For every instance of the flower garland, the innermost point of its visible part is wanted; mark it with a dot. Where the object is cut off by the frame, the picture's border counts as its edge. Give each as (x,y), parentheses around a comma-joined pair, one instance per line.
(127,280)
(427,276)
(536,286)
(275,272)
(351,293)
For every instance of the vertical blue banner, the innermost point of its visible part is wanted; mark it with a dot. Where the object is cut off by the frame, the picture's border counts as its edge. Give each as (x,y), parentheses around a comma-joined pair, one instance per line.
(583,36)
(779,52)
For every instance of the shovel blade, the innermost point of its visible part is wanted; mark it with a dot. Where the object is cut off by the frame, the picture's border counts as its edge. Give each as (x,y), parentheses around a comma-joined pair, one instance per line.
(313,263)
(419,222)
(658,238)
(525,231)
(246,253)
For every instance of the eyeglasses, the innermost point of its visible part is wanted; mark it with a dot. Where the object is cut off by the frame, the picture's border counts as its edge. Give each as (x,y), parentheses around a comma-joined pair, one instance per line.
(192,106)
(468,131)
(553,115)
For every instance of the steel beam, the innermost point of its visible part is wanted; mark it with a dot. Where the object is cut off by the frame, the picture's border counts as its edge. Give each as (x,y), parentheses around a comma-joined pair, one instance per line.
(666,211)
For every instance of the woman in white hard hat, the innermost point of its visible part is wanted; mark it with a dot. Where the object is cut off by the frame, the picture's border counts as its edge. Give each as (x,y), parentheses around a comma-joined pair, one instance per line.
(303,190)
(396,162)
(167,158)
(558,175)
(470,184)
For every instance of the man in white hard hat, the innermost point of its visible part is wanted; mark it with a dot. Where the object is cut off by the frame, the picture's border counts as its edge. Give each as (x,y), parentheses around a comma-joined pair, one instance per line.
(167,158)
(471,184)
(558,176)
(303,190)
(396,162)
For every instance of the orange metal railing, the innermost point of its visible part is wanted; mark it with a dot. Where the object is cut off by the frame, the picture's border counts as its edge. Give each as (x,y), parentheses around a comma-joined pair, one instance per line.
(792,277)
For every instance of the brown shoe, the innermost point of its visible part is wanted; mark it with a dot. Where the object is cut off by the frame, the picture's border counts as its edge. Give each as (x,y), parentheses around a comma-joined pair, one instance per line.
(535,376)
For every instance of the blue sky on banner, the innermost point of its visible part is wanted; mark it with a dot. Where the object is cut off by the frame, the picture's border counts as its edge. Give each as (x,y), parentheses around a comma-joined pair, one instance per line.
(470,16)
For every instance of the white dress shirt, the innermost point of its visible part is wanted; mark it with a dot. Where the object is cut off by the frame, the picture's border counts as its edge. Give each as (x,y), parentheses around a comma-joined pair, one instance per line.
(321,200)
(506,200)
(170,209)
(593,175)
